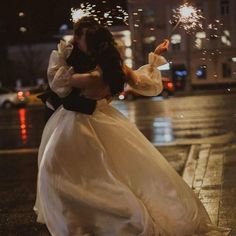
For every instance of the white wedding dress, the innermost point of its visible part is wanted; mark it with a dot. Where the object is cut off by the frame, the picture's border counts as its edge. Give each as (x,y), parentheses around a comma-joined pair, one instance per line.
(98,175)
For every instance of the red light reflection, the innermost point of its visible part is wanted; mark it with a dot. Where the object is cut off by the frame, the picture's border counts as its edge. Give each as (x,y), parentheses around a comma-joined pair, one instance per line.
(23,130)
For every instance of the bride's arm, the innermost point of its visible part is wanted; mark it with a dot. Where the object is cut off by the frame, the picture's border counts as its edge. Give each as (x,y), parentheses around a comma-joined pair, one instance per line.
(131,75)
(87,80)
(147,79)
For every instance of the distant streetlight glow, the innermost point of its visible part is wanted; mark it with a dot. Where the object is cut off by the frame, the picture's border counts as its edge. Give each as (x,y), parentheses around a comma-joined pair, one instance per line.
(21,14)
(23,29)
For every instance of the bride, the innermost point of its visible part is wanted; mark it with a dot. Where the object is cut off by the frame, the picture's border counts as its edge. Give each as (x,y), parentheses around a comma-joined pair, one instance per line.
(97,173)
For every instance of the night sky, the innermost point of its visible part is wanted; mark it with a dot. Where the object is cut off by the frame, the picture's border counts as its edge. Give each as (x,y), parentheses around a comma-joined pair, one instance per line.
(42,18)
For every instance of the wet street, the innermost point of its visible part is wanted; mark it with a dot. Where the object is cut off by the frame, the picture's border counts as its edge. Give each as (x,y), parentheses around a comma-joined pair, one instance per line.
(175,125)
(163,122)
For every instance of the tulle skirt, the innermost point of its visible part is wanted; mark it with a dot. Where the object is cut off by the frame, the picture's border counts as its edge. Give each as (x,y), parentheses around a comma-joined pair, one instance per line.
(98,175)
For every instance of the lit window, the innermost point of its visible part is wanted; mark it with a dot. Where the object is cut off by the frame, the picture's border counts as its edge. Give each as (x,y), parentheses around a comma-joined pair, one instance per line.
(200,37)
(129,62)
(149,39)
(128,52)
(224,7)
(227,33)
(225,41)
(225,38)
(176,41)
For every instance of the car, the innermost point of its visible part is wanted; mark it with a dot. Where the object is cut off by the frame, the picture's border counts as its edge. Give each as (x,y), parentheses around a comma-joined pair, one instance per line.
(10,98)
(168,90)
(32,96)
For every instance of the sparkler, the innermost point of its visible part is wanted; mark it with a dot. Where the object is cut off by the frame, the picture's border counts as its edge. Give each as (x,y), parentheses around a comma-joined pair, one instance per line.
(106,18)
(188,17)
(84,10)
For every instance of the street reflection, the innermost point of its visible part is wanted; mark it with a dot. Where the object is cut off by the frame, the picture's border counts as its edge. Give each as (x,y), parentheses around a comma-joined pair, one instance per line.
(23,128)
(163,130)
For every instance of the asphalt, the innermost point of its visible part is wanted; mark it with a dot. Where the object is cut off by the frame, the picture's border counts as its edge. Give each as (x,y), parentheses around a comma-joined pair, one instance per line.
(210,169)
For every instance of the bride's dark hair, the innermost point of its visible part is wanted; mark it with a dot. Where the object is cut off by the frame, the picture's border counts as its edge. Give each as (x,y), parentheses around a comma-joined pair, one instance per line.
(102,51)
(102,47)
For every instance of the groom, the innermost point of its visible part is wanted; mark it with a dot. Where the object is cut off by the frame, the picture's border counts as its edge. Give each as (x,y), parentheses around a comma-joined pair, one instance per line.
(81,63)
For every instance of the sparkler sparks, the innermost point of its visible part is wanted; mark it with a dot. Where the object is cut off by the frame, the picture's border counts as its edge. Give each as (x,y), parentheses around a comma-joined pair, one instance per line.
(107,18)
(84,10)
(188,17)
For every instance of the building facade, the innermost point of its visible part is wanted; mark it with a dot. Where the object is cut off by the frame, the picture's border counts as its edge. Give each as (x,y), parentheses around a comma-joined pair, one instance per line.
(206,57)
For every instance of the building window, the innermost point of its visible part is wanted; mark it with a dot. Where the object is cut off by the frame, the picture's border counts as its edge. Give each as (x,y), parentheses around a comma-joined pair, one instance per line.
(176,42)
(200,39)
(224,7)
(149,39)
(226,70)
(201,72)
(225,38)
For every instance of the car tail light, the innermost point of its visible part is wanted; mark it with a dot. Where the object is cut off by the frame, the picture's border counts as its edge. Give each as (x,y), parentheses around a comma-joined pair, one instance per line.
(121,97)
(20,95)
(27,93)
(170,85)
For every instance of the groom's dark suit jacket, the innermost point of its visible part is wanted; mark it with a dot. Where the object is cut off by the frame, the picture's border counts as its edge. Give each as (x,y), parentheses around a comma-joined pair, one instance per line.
(81,63)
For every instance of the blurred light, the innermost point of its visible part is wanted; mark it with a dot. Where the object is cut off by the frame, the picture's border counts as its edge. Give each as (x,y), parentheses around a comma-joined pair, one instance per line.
(67,38)
(163,131)
(170,85)
(20,95)
(129,62)
(181,73)
(164,67)
(23,130)
(128,52)
(201,35)
(225,40)
(199,39)
(63,27)
(149,39)
(234,59)
(121,97)
(27,93)
(21,14)
(227,33)
(127,39)
(199,73)
(175,39)
(23,29)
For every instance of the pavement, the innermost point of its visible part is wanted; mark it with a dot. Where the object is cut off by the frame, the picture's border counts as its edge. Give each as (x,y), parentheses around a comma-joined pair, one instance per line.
(210,171)
(196,92)
(209,168)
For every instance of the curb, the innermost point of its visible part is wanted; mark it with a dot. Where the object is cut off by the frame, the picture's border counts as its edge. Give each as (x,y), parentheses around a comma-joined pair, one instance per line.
(19,151)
